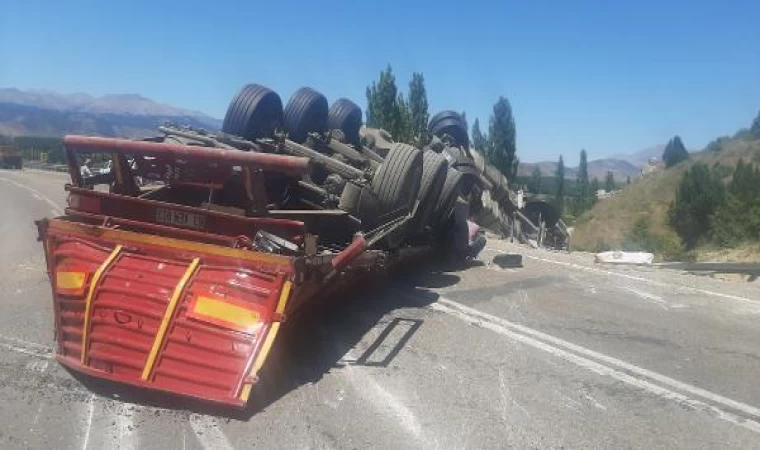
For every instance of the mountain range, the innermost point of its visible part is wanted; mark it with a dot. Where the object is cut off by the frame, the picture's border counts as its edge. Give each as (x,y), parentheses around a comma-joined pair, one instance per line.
(47,113)
(622,166)
(51,114)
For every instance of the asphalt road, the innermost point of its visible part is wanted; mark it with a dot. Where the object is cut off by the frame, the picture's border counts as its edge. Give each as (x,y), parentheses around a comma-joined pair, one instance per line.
(558,354)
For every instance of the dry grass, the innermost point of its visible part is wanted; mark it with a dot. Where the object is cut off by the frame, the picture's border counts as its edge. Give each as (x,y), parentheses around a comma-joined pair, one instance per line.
(747,253)
(606,225)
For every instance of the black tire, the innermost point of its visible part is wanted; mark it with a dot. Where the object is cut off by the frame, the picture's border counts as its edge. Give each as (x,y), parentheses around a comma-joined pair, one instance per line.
(346,116)
(450,123)
(449,193)
(397,181)
(306,112)
(394,191)
(434,171)
(446,114)
(255,112)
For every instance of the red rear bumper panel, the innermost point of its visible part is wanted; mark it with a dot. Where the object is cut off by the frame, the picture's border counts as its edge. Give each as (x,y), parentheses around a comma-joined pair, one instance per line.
(164,315)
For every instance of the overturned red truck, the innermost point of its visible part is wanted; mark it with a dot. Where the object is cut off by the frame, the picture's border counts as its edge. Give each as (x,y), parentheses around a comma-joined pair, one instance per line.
(173,269)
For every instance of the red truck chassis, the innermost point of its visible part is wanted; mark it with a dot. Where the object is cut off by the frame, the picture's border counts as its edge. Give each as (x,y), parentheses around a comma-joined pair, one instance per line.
(178,296)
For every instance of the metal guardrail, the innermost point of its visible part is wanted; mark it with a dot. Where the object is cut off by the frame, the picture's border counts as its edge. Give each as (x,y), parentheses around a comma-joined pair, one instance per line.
(45,166)
(719,267)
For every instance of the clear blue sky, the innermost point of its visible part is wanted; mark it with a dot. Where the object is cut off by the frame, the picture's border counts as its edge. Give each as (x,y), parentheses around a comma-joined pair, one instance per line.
(607,76)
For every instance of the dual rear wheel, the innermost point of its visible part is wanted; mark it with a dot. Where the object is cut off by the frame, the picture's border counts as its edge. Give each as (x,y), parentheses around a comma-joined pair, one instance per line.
(407,182)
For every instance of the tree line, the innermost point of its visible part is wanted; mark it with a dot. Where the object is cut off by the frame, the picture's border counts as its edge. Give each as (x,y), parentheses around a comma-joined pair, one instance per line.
(572,197)
(37,148)
(406,118)
(582,195)
(714,205)
(707,210)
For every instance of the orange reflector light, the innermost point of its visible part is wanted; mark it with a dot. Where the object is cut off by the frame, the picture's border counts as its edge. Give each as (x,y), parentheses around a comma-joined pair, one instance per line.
(227,313)
(70,281)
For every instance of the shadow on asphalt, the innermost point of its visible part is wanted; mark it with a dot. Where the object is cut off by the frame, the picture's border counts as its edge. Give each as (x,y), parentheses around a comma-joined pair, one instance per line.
(317,340)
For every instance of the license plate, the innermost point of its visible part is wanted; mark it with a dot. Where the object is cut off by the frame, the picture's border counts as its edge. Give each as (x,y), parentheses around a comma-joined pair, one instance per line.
(180,218)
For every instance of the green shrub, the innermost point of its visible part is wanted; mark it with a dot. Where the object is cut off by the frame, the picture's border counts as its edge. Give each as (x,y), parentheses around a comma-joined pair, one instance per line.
(698,196)
(674,152)
(717,144)
(722,171)
(666,246)
(639,238)
(738,218)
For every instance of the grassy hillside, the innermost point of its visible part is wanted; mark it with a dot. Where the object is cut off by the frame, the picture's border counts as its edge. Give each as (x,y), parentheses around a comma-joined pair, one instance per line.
(607,225)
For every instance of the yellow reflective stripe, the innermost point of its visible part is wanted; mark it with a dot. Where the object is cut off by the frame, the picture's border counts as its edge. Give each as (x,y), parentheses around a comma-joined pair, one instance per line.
(262,356)
(69,280)
(284,295)
(178,290)
(246,392)
(225,311)
(88,301)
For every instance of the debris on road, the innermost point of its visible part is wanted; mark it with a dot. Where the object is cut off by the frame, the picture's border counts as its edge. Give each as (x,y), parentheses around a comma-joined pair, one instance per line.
(508,260)
(625,258)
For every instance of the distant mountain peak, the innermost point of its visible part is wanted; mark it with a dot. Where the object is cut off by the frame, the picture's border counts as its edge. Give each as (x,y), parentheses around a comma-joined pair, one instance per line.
(127,104)
(621,166)
(642,157)
(42,112)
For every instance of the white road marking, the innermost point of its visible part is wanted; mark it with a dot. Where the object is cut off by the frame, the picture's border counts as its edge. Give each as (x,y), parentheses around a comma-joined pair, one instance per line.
(206,428)
(586,285)
(384,400)
(593,401)
(380,397)
(638,377)
(48,173)
(38,366)
(38,346)
(25,347)
(120,425)
(645,280)
(26,266)
(126,426)
(656,299)
(25,351)
(91,404)
(503,390)
(36,194)
(208,432)
(37,416)
(506,397)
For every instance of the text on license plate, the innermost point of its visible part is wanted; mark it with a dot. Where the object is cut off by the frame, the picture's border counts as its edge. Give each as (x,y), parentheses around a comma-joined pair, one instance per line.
(180,218)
